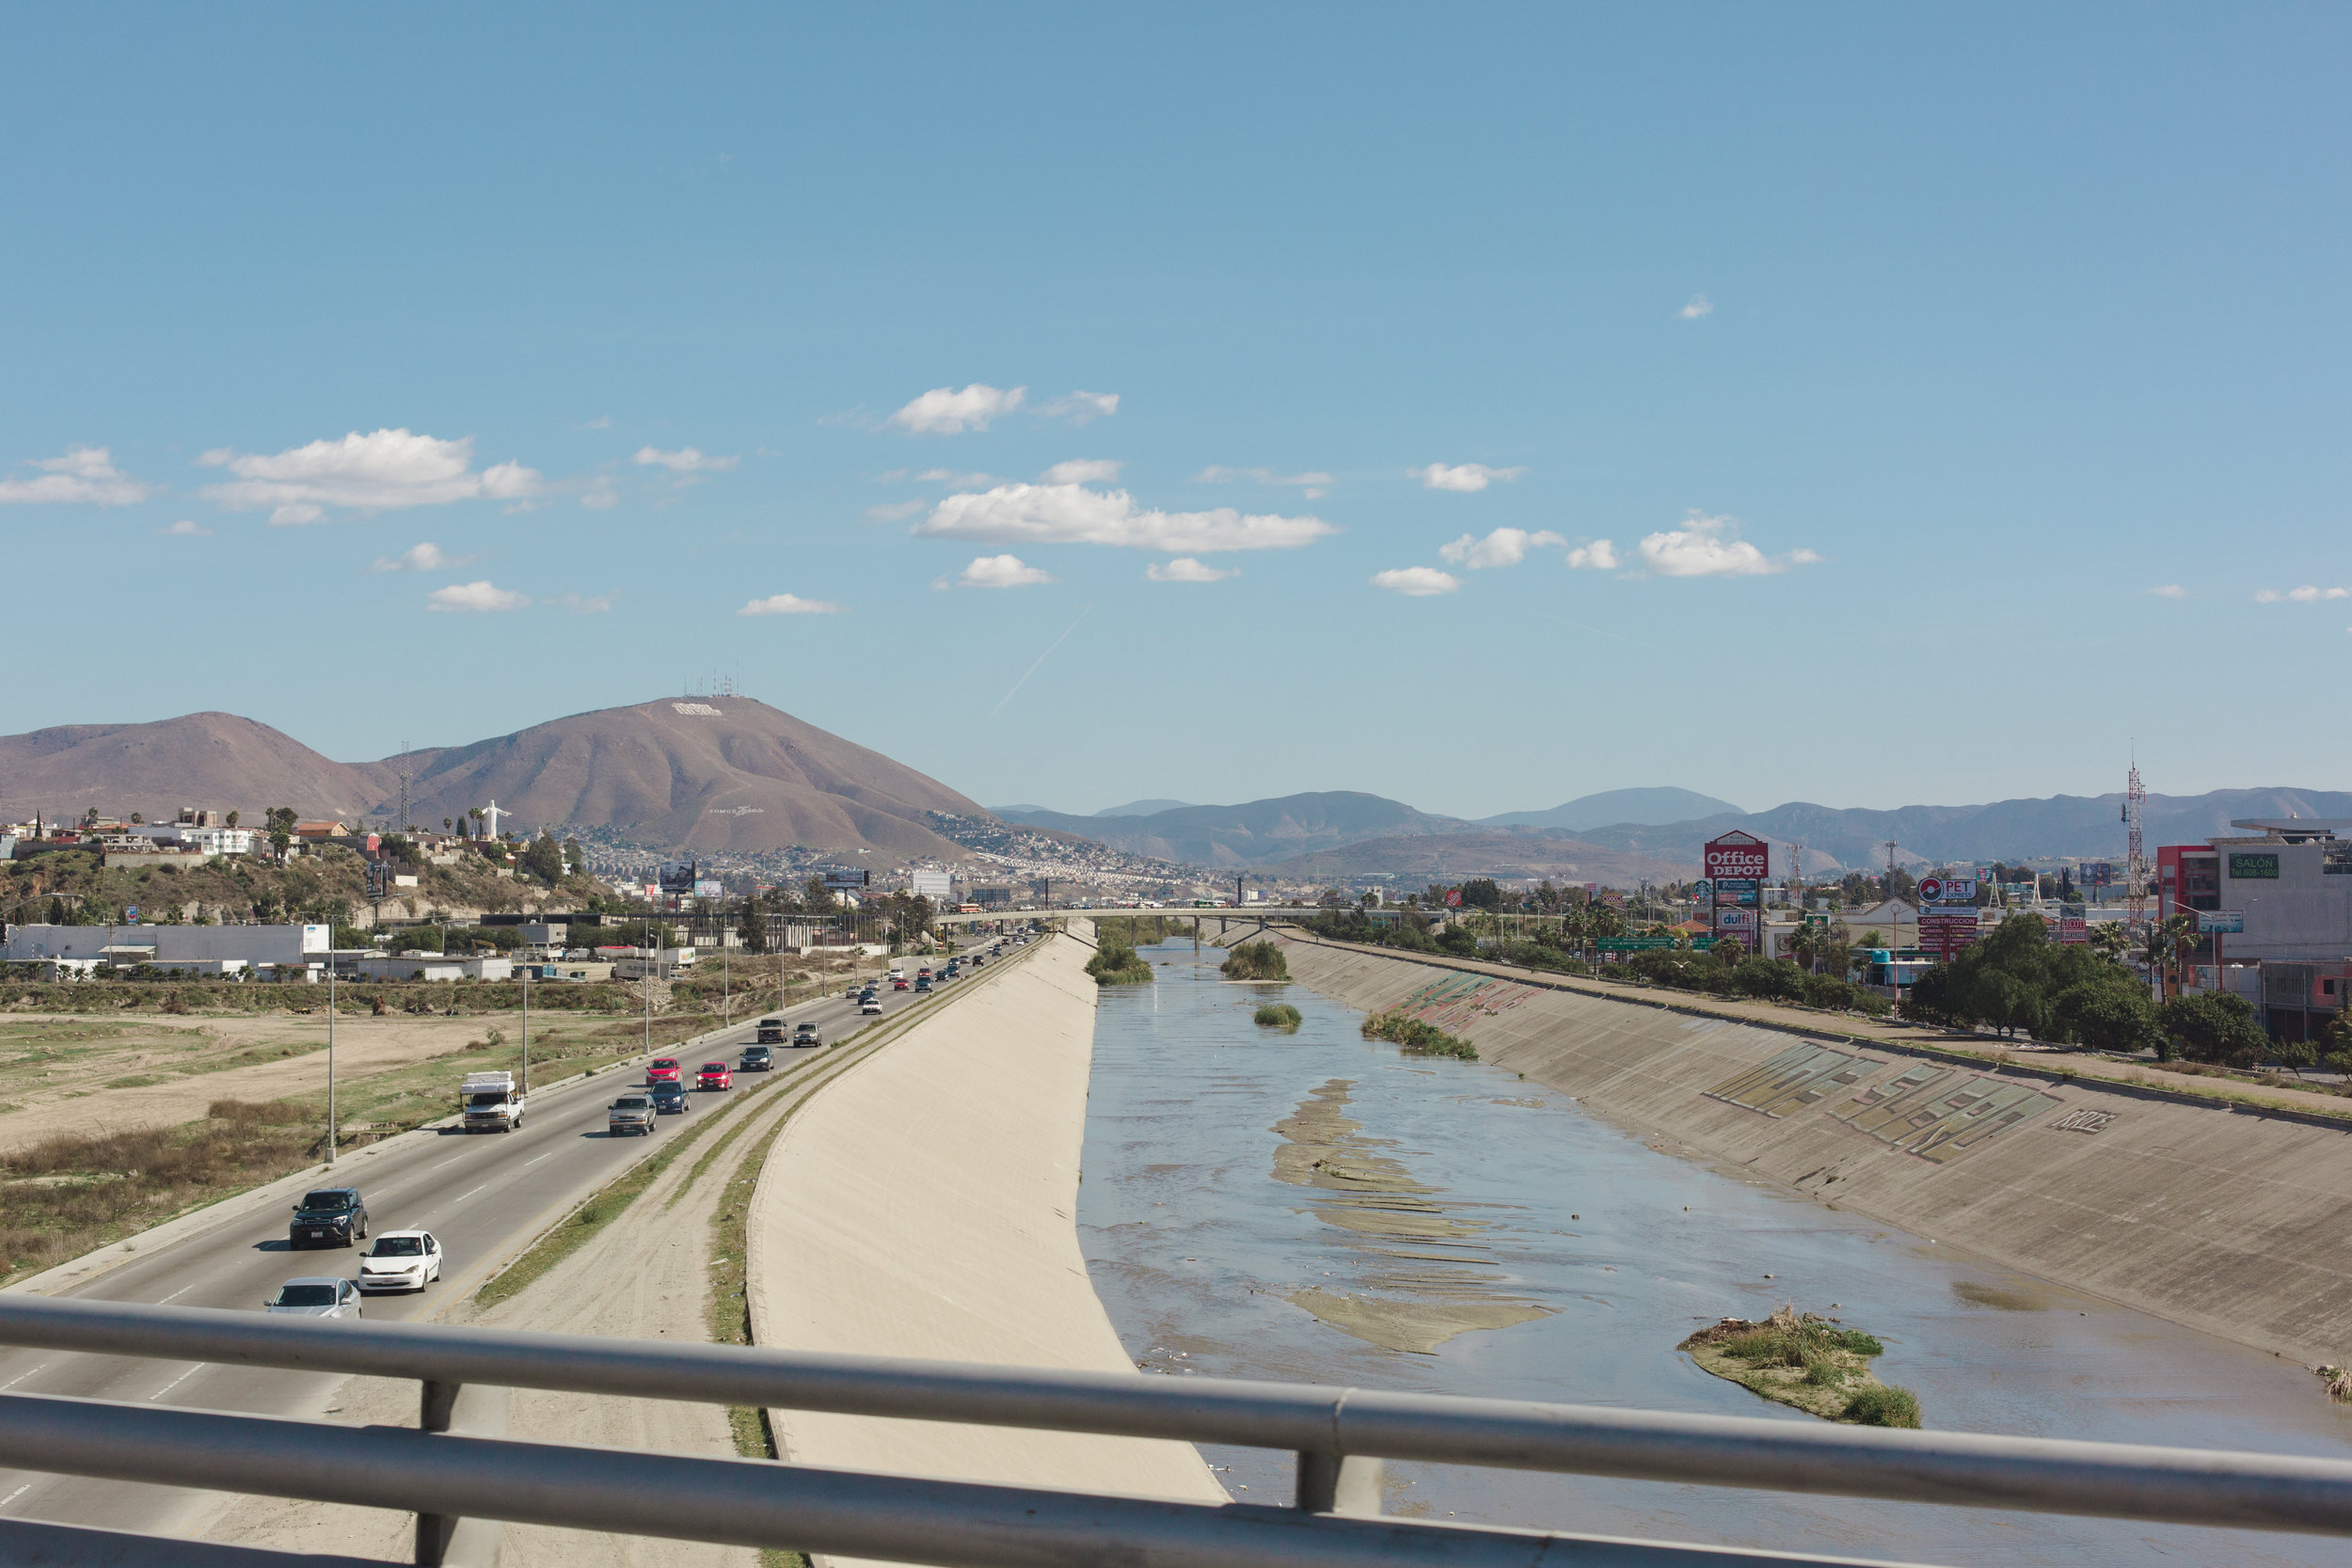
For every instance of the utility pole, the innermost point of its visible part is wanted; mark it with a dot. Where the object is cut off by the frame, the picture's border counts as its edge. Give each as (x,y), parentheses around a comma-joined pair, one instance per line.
(526,1026)
(330,1041)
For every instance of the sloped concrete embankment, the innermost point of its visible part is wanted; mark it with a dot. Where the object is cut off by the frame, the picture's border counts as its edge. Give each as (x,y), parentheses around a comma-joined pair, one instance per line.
(923,1205)
(2231,1221)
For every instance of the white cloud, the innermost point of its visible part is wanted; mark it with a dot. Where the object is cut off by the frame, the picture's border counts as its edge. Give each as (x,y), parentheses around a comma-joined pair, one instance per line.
(1071,514)
(1700,305)
(85,474)
(185,529)
(1504,546)
(466,597)
(383,471)
(602,421)
(895,512)
(1082,407)
(1597,555)
(941,476)
(585,603)
(1185,569)
(2305,595)
(2169,591)
(1217,474)
(1001,571)
(686,460)
(602,499)
(426,556)
(790,604)
(1418,581)
(944,411)
(1084,470)
(1705,546)
(1460,476)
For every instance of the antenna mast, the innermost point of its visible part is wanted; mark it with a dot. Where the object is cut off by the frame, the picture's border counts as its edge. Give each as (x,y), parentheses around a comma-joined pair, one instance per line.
(2136,847)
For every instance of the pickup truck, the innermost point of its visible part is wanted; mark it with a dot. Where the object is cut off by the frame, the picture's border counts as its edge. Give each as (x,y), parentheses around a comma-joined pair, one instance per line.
(492,1102)
(770,1031)
(632,1112)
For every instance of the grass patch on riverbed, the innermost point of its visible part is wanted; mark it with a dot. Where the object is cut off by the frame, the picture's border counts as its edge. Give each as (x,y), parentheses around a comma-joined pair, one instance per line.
(1277,1015)
(1422,1039)
(1256,960)
(1117,964)
(1806,1362)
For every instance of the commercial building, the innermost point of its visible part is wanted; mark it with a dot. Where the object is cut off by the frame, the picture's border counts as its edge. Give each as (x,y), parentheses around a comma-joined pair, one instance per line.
(2273,905)
(434,966)
(190,947)
(937,886)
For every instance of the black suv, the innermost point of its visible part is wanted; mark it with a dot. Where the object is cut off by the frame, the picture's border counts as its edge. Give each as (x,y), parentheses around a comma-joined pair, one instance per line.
(329,1216)
(669,1098)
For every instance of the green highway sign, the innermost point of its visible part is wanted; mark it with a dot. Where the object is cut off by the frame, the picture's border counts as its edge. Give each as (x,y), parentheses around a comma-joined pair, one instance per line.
(1634,945)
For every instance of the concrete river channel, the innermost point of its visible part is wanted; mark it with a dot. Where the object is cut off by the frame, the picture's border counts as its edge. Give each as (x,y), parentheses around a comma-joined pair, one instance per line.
(1496,1239)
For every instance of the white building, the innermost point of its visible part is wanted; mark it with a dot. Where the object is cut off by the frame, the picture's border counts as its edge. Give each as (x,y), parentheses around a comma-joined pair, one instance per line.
(937,886)
(434,966)
(246,946)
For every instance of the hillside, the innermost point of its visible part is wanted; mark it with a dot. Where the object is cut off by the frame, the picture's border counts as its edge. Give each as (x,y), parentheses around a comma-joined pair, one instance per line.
(721,773)
(1416,861)
(201,759)
(1664,803)
(1253,832)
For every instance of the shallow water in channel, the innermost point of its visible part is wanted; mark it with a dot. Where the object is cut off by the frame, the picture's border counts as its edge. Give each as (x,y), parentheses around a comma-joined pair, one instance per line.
(1315,1207)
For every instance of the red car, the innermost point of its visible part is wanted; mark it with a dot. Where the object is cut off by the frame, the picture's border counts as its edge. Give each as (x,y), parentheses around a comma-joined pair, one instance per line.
(900,983)
(715,1075)
(664,1070)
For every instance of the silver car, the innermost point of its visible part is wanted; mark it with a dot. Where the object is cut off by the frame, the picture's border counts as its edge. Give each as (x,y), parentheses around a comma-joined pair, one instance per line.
(315,1298)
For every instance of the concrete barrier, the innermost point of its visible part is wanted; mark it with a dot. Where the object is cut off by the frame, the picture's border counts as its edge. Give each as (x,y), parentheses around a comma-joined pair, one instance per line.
(923,1204)
(2228,1219)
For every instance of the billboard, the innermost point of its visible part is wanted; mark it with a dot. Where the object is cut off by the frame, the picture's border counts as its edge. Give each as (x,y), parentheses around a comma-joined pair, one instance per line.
(2073,923)
(1453,898)
(835,880)
(1947,890)
(1735,920)
(1737,855)
(709,887)
(2230,921)
(2248,868)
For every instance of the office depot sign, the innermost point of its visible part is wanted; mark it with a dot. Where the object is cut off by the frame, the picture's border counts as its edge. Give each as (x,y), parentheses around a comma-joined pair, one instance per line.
(1738,856)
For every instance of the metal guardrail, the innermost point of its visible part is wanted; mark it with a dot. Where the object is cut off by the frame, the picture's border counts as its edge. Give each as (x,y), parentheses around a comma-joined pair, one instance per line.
(461,1478)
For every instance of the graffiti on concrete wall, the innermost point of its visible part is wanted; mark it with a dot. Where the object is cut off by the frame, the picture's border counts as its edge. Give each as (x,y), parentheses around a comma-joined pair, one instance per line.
(1799,1076)
(1939,1112)
(1459,1000)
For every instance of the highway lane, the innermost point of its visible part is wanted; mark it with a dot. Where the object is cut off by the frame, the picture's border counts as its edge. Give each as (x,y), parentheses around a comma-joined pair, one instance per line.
(483,1195)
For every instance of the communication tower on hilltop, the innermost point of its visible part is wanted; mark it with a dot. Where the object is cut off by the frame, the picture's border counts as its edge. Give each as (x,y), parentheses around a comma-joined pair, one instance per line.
(2134,846)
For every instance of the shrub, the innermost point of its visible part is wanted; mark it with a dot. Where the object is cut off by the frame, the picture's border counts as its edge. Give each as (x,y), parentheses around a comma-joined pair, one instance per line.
(1422,1039)
(1256,960)
(2221,1029)
(1117,964)
(1277,1015)
(1458,941)
(1882,1407)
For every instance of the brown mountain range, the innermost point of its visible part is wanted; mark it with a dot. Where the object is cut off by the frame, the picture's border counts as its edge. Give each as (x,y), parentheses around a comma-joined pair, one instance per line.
(721,773)
(1451,856)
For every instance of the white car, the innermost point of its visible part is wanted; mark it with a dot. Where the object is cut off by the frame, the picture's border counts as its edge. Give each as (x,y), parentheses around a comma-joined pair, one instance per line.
(400,1260)
(315,1298)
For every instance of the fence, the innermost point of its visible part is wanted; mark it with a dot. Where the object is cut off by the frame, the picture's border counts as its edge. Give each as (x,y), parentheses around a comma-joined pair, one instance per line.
(461,1476)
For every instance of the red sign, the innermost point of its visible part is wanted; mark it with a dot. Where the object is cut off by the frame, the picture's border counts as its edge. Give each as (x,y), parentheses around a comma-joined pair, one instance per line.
(1453,898)
(1736,856)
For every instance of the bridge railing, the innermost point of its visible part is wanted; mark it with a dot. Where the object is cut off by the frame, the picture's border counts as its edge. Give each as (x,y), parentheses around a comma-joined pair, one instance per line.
(461,1478)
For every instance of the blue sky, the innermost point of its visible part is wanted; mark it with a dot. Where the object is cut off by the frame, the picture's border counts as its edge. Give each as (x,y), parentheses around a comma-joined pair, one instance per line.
(1899,357)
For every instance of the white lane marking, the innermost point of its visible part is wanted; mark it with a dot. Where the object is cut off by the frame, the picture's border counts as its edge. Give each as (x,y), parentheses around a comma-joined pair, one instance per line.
(175,1295)
(21,1377)
(18,1492)
(445,1165)
(176,1382)
(462,1197)
(549,1155)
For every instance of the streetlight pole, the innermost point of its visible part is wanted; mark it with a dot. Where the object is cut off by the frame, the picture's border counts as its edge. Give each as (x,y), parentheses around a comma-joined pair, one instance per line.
(330,1040)
(526,1027)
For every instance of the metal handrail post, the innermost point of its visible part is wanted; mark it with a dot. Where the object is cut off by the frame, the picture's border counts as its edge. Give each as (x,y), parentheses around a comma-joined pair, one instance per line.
(471,1410)
(1346,1483)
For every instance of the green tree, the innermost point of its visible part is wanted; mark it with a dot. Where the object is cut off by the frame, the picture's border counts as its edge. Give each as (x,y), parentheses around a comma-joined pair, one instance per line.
(2108,1012)
(1481,893)
(544,859)
(280,823)
(2220,1028)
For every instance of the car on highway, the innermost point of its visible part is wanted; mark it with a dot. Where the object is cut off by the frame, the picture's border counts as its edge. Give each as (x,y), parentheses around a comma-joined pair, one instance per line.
(715,1075)
(770,1031)
(856,987)
(669,1099)
(315,1298)
(870,1005)
(924,972)
(633,1113)
(923,985)
(665,1070)
(328,1216)
(899,982)
(805,1034)
(400,1260)
(760,1058)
